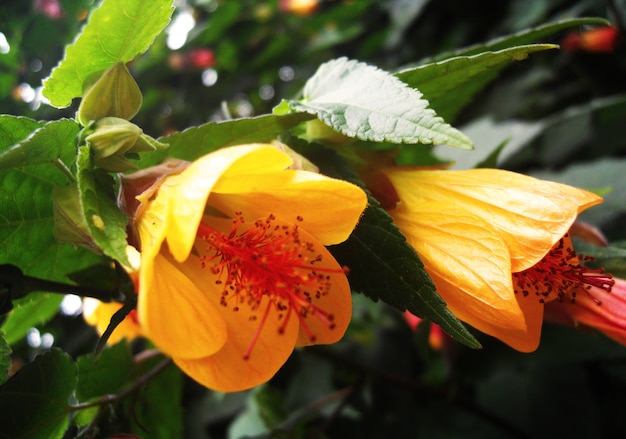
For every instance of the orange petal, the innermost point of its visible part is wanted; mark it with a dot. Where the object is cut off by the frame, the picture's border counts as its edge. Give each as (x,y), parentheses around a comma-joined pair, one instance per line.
(175,313)
(228,370)
(330,208)
(530,214)
(337,302)
(99,314)
(467,260)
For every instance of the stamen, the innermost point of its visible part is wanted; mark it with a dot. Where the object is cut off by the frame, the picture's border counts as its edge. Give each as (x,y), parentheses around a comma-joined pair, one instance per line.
(269,259)
(560,275)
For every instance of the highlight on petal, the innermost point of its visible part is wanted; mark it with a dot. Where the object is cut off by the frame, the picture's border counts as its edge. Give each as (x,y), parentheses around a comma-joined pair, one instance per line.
(329,208)
(468,262)
(180,200)
(176,315)
(530,214)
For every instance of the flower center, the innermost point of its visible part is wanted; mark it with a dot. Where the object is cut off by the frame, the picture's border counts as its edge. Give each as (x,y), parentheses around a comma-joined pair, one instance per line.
(560,275)
(270,260)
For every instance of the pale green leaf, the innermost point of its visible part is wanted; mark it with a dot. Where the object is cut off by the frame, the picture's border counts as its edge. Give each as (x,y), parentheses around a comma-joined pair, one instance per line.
(14,129)
(362,101)
(117,31)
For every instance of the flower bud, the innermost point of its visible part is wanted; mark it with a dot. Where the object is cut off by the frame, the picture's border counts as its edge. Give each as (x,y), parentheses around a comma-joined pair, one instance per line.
(112,135)
(114,94)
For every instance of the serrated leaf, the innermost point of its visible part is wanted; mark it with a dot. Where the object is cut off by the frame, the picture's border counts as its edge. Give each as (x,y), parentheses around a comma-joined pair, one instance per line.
(14,129)
(33,310)
(450,84)
(383,266)
(109,374)
(197,141)
(117,31)
(45,145)
(105,221)
(362,101)
(33,403)
(27,220)
(5,358)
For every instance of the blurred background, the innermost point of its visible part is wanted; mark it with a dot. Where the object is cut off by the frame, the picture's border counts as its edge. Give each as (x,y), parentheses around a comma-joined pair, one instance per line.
(561,115)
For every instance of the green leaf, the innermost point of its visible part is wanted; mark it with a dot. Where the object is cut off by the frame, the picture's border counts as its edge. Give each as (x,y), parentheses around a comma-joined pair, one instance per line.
(383,266)
(33,310)
(106,223)
(33,403)
(45,144)
(5,358)
(524,37)
(107,374)
(14,129)
(117,31)
(362,101)
(197,141)
(450,84)
(160,405)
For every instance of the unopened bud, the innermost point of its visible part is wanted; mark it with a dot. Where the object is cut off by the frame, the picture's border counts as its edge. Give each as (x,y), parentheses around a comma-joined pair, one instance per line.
(115,94)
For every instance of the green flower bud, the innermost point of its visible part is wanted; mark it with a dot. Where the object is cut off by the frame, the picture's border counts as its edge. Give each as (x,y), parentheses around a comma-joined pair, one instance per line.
(115,93)
(112,135)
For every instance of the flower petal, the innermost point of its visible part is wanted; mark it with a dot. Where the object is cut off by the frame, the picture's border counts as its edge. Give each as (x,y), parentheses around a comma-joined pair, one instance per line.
(531,214)
(228,370)
(99,314)
(468,262)
(337,302)
(175,314)
(330,207)
(181,198)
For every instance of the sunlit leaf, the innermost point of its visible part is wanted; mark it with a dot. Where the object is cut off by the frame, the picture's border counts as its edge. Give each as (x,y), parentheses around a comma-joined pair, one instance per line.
(40,389)
(45,145)
(362,101)
(197,141)
(118,30)
(106,223)
(31,311)
(14,129)
(450,84)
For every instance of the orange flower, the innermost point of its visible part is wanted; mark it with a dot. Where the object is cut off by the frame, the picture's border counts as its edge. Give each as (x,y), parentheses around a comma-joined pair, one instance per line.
(234,271)
(601,39)
(473,229)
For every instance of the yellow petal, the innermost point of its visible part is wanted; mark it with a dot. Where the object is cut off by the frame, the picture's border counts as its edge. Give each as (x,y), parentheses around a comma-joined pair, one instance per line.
(228,370)
(530,214)
(337,302)
(330,208)
(178,316)
(467,260)
(180,201)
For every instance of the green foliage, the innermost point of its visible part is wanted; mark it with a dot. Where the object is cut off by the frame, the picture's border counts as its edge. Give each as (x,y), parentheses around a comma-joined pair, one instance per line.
(260,72)
(42,389)
(5,358)
(115,33)
(362,101)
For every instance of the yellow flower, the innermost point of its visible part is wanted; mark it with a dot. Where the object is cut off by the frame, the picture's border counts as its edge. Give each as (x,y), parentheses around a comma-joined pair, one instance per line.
(474,228)
(234,271)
